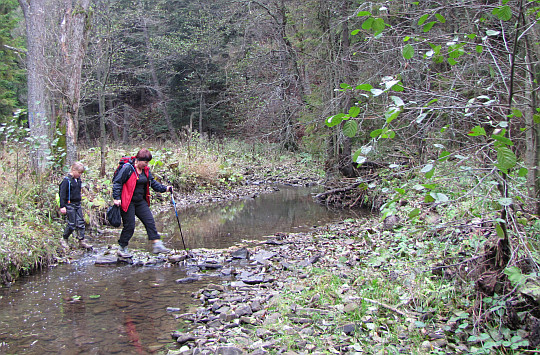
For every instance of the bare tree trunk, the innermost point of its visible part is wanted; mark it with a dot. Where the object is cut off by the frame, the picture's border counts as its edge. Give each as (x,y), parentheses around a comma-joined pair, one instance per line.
(532,155)
(125,125)
(74,29)
(157,87)
(102,130)
(34,13)
(201,112)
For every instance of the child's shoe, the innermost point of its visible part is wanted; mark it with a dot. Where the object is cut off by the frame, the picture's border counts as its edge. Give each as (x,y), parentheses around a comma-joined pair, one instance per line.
(84,244)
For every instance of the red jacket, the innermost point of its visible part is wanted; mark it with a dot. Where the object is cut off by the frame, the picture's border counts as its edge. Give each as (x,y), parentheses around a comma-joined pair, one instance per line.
(129,188)
(125,181)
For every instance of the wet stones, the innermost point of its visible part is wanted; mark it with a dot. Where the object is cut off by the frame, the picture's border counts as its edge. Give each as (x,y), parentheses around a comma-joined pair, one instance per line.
(242,253)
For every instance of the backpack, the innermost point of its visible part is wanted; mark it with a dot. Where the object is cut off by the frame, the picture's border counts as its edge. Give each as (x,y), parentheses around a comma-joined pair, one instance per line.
(121,163)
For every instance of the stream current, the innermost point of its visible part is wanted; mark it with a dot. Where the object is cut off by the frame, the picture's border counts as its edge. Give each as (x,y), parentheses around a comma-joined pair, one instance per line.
(82,308)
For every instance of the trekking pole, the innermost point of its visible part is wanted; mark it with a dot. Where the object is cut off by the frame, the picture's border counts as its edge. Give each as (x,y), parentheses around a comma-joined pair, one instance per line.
(178,220)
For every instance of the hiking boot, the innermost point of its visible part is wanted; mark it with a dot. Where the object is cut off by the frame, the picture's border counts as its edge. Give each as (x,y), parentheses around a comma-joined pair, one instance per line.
(64,243)
(158,247)
(123,252)
(84,244)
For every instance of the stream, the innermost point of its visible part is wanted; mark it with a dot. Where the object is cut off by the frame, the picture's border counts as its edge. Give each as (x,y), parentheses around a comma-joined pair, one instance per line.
(83,308)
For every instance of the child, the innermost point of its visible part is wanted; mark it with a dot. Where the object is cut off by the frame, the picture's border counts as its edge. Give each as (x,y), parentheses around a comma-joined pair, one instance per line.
(70,205)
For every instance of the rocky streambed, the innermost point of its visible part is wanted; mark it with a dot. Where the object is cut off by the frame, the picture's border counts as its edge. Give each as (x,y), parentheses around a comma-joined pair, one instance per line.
(249,310)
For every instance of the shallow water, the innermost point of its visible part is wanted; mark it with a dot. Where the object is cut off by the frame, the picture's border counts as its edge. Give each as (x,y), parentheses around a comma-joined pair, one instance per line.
(81,308)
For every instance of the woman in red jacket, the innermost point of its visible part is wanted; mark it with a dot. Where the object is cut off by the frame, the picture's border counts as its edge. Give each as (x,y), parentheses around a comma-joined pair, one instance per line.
(131,191)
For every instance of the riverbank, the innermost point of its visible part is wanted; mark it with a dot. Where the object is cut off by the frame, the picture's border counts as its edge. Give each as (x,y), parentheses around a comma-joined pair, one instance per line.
(320,292)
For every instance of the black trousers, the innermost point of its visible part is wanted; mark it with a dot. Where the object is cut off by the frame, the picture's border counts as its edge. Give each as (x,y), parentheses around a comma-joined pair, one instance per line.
(142,211)
(75,220)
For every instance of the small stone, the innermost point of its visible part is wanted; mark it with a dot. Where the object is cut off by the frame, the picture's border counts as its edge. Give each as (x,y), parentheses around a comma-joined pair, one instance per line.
(182,339)
(241,253)
(244,311)
(228,350)
(351,307)
(187,280)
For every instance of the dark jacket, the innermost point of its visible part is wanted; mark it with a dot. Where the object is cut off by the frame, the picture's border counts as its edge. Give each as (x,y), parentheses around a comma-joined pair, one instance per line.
(70,190)
(125,181)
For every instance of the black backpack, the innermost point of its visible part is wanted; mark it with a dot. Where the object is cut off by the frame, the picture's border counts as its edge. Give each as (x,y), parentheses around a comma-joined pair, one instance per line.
(123,160)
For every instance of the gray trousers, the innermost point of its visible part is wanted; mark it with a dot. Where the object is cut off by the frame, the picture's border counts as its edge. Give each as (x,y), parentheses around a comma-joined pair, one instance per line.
(75,220)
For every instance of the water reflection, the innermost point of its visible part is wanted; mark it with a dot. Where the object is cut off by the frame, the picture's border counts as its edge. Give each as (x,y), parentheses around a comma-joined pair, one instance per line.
(85,309)
(81,308)
(220,226)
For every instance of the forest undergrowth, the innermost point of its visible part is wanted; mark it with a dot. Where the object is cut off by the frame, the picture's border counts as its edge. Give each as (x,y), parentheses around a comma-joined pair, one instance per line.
(31,225)
(425,267)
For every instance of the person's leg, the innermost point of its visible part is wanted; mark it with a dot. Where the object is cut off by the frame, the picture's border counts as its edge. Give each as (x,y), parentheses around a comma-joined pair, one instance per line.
(71,220)
(145,215)
(142,211)
(128,221)
(80,226)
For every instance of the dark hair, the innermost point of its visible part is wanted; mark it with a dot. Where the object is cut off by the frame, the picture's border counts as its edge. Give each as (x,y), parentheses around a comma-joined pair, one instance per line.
(144,155)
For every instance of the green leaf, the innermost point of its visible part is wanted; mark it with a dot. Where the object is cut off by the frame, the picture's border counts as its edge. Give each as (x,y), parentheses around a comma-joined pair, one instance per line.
(376,92)
(423,19)
(523,172)
(354,111)
(441,18)
(408,51)
(355,32)
(386,133)
(536,118)
(502,139)
(358,157)
(500,231)
(363,13)
(414,213)
(427,168)
(479,49)
(392,113)
(400,190)
(398,87)
(443,156)
(477,131)
(428,198)
(366,25)
(439,197)
(506,159)
(365,87)
(94,296)
(504,13)
(514,275)
(378,25)
(350,128)
(335,120)
(452,61)
(345,86)
(428,26)
(376,133)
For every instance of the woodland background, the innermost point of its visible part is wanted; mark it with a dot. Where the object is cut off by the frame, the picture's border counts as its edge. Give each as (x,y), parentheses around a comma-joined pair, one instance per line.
(406,80)
(425,111)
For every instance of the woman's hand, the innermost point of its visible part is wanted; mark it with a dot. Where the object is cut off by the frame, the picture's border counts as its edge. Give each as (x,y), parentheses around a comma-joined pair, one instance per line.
(117,202)
(63,210)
